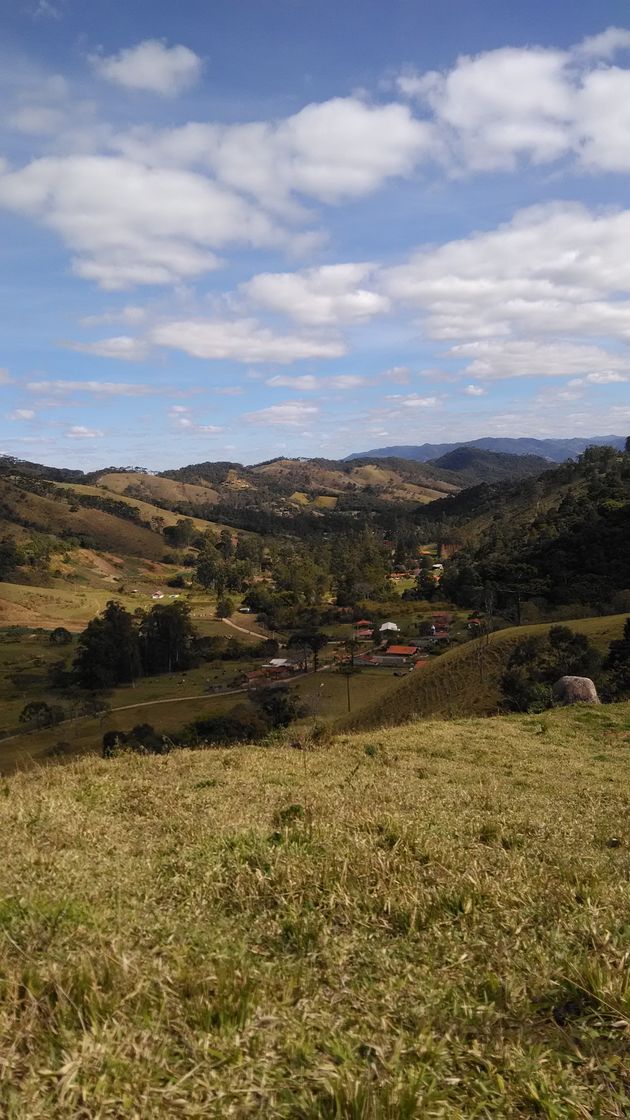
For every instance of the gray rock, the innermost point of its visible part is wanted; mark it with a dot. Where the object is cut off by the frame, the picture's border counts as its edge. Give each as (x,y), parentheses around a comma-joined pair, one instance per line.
(575,690)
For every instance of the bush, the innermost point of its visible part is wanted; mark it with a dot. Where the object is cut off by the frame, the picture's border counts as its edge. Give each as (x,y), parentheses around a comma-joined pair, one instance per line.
(538,662)
(40,714)
(60,636)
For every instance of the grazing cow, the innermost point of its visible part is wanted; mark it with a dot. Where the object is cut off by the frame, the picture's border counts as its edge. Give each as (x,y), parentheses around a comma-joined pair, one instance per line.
(575,690)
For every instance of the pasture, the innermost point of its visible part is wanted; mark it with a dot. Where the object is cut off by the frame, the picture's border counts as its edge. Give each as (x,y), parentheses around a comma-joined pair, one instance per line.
(428,921)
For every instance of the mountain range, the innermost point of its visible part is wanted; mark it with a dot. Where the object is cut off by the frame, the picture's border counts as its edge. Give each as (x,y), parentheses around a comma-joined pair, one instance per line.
(553,450)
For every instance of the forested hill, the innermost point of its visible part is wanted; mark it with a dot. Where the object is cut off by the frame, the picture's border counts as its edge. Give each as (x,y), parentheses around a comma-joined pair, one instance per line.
(474,465)
(560,538)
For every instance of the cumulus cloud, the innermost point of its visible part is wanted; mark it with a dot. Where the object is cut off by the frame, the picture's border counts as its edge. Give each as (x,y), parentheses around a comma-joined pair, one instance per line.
(605,378)
(530,358)
(290,414)
(130,224)
(400,375)
(241,340)
(474,391)
(123,348)
(62,388)
(131,314)
(151,66)
(553,269)
(330,150)
(22,414)
(605,45)
(319,296)
(346,381)
(414,401)
(306,382)
(78,431)
(495,108)
(36,120)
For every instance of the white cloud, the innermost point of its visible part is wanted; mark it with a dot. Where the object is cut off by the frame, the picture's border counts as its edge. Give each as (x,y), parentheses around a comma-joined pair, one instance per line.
(329,150)
(22,414)
(78,431)
(306,383)
(94,388)
(319,296)
(290,414)
(493,109)
(151,66)
(189,425)
(605,378)
(131,314)
(505,358)
(502,104)
(36,120)
(604,45)
(44,9)
(604,115)
(400,375)
(346,381)
(123,348)
(419,402)
(241,340)
(474,391)
(130,224)
(553,269)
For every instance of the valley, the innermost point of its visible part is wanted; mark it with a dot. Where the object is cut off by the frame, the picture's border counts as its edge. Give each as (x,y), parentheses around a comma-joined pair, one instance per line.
(295,588)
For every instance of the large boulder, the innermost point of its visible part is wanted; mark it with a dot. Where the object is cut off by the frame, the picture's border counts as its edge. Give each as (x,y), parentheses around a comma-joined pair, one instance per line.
(575,690)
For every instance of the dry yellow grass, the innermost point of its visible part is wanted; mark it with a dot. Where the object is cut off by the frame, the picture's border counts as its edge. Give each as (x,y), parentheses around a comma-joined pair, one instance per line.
(426,922)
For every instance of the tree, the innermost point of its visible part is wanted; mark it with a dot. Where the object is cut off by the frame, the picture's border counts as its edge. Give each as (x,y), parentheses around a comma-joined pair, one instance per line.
(225,608)
(41,714)
(60,636)
(108,651)
(278,706)
(536,663)
(208,566)
(9,556)
(224,544)
(181,534)
(617,665)
(311,639)
(166,638)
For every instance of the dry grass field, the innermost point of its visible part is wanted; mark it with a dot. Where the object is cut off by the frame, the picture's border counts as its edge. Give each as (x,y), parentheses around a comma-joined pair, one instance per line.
(429,921)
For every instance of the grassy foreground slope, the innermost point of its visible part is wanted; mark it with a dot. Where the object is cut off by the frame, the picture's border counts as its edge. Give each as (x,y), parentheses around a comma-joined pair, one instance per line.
(466,680)
(427,922)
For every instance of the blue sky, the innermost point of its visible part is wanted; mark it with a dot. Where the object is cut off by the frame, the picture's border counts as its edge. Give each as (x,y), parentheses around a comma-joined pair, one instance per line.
(267,227)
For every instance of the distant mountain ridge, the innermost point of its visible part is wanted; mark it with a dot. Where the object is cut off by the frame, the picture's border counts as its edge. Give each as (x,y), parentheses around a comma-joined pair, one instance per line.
(553,450)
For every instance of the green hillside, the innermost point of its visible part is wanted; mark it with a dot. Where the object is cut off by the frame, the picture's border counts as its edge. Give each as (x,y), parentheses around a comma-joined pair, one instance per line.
(465,680)
(424,922)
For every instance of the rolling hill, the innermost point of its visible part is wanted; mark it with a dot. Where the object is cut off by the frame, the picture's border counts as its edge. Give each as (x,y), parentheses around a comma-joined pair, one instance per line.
(473,465)
(286,485)
(465,681)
